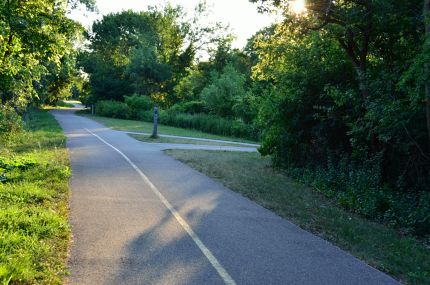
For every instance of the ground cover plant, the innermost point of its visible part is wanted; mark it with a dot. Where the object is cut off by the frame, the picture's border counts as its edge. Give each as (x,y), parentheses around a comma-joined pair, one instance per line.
(34,175)
(401,256)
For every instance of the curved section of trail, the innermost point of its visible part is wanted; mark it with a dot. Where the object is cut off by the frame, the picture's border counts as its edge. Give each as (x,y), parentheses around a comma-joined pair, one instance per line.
(140,217)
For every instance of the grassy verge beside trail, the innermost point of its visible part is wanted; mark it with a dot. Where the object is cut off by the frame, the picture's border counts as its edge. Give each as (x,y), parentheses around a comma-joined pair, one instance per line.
(148,139)
(63,104)
(140,126)
(34,174)
(251,175)
(60,105)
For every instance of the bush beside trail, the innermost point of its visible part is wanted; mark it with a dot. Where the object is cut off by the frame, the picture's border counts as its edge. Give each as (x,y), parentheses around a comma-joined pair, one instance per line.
(10,122)
(142,110)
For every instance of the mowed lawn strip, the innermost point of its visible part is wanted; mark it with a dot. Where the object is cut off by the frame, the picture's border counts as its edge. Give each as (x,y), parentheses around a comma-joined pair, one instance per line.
(146,127)
(148,139)
(34,232)
(402,257)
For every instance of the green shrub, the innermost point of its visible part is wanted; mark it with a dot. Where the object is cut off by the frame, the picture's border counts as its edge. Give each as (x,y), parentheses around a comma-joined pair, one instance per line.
(208,123)
(191,107)
(113,109)
(357,186)
(146,116)
(10,122)
(138,103)
(203,122)
(225,89)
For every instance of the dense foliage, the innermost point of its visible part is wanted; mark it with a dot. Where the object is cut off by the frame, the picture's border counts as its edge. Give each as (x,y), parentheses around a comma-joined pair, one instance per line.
(37,58)
(337,92)
(343,104)
(145,53)
(181,115)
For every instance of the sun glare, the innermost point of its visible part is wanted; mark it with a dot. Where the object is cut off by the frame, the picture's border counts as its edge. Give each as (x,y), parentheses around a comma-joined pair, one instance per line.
(298,6)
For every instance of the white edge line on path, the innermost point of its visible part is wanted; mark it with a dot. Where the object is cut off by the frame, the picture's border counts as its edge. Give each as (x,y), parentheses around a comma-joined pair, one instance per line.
(209,255)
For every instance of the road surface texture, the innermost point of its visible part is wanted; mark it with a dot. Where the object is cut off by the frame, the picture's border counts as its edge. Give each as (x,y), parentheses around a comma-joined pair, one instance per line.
(141,217)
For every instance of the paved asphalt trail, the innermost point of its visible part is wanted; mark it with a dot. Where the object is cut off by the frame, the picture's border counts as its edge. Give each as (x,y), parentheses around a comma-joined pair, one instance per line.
(123,233)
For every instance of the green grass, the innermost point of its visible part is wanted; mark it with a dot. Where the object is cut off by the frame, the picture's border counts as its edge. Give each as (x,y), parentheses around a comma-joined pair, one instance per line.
(34,233)
(64,104)
(71,101)
(403,257)
(148,139)
(59,105)
(140,126)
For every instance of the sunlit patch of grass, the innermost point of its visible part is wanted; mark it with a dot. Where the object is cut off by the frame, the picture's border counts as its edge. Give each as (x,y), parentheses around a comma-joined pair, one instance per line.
(34,232)
(403,257)
(64,104)
(61,105)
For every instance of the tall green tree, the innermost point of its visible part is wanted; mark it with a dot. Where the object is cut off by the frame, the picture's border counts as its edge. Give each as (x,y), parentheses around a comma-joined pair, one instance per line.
(137,52)
(224,92)
(309,96)
(35,36)
(426,15)
(360,27)
(377,112)
(344,86)
(112,41)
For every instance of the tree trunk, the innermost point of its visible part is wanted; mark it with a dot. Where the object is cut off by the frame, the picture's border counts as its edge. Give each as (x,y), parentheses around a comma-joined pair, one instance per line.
(427,92)
(426,13)
(358,59)
(8,50)
(362,84)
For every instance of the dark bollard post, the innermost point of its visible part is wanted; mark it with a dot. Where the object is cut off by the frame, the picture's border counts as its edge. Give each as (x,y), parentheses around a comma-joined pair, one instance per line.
(154,130)
(92,109)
